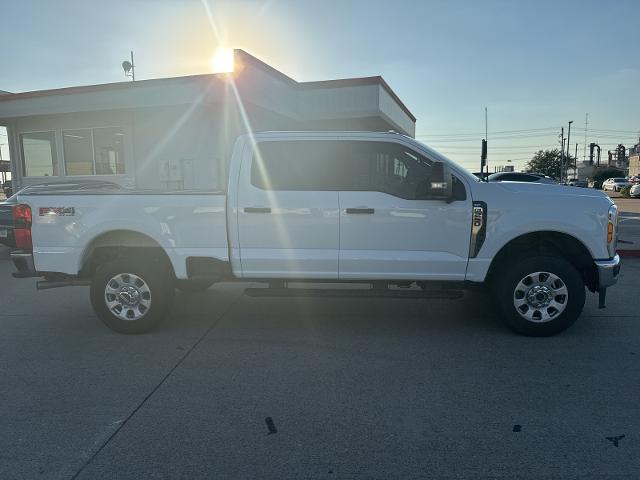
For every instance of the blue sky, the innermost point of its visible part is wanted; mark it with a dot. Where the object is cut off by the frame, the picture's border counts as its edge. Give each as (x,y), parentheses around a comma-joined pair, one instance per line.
(535,65)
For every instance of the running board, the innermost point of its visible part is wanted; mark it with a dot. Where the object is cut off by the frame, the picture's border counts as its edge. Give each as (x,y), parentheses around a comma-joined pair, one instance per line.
(355,293)
(48,284)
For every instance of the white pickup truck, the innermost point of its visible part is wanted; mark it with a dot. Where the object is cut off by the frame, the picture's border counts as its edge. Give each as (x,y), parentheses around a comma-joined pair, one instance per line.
(377,208)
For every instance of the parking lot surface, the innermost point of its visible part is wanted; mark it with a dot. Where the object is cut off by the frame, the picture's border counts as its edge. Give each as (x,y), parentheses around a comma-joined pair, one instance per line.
(237,387)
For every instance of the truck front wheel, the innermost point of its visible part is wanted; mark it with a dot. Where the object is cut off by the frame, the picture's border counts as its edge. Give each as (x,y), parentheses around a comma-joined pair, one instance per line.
(130,296)
(539,295)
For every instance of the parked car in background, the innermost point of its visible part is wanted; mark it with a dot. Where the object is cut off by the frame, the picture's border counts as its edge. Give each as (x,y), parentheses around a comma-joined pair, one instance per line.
(635,191)
(615,184)
(635,180)
(520,177)
(574,182)
(6,222)
(7,188)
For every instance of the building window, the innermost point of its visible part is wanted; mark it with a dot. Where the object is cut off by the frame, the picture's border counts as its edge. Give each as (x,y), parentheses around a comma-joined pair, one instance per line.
(78,151)
(39,155)
(109,150)
(94,151)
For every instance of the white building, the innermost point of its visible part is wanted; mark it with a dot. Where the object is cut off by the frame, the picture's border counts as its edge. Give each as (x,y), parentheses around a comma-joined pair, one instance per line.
(177,133)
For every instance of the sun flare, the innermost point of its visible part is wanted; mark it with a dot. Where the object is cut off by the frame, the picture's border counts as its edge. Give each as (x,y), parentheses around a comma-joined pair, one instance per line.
(222,60)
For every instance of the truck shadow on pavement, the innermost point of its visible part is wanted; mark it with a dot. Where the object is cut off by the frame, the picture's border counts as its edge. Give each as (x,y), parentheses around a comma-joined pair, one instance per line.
(382,316)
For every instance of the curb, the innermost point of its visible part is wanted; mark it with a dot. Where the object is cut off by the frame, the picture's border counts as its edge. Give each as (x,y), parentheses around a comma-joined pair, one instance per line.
(629,253)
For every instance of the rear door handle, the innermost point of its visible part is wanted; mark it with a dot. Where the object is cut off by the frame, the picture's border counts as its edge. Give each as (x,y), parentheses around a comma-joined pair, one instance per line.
(366,211)
(257,210)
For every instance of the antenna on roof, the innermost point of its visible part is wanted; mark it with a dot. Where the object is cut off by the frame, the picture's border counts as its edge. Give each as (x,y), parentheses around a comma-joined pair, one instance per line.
(129,68)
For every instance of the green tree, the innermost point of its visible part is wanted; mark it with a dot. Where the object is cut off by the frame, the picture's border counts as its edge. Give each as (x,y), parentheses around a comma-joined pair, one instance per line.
(547,162)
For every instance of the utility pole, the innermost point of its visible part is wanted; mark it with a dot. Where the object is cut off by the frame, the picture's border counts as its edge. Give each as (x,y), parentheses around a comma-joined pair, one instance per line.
(561,152)
(129,68)
(133,68)
(568,145)
(4,175)
(486,133)
(584,148)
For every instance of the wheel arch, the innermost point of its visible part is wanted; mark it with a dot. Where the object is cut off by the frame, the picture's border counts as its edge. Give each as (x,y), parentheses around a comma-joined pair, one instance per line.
(546,243)
(122,243)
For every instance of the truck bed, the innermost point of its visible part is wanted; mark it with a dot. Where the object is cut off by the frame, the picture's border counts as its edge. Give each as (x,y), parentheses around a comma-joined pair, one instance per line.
(67,221)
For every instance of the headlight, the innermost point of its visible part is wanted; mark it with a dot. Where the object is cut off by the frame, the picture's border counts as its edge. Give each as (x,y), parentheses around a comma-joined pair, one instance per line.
(612,230)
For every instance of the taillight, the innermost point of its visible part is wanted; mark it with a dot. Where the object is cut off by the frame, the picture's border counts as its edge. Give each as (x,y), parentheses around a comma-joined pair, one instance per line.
(22,226)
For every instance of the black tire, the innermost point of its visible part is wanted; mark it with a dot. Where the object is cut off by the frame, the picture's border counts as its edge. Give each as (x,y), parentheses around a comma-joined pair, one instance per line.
(158,287)
(508,278)
(193,286)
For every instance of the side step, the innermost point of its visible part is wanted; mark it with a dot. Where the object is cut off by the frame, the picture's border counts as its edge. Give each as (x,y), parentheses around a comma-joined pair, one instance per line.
(48,284)
(355,293)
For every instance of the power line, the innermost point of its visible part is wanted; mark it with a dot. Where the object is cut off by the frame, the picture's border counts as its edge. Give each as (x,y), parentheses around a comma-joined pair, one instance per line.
(523,131)
(496,132)
(503,147)
(497,137)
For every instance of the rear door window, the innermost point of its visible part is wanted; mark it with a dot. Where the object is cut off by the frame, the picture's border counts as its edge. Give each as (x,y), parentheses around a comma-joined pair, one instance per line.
(297,165)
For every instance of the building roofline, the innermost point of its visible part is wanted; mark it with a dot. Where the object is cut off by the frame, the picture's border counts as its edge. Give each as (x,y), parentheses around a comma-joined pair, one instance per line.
(244,56)
(356,81)
(101,87)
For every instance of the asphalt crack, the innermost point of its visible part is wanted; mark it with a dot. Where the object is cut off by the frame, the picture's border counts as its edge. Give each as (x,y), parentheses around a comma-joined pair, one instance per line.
(119,425)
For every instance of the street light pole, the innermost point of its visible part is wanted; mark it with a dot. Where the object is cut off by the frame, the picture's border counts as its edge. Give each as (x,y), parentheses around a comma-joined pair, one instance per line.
(561,152)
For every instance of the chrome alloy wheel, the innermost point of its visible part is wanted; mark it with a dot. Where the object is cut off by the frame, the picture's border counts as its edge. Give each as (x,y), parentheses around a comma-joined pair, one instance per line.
(127,296)
(540,297)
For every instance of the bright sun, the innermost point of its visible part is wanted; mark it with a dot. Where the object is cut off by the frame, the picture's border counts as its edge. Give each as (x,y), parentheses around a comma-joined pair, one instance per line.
(222,60)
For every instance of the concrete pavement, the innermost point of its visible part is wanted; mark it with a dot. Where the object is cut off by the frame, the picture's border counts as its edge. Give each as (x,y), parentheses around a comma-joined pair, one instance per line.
(354,389)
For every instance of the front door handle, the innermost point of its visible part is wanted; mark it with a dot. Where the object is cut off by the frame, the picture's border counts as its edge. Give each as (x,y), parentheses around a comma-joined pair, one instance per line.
(366,211)
(257,210)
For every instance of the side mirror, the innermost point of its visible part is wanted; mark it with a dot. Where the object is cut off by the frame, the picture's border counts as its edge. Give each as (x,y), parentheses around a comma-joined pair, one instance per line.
(441,183)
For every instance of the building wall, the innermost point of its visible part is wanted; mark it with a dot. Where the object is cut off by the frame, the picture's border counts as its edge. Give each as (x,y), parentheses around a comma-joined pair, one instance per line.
(176,148)
(181,147)
(634,165)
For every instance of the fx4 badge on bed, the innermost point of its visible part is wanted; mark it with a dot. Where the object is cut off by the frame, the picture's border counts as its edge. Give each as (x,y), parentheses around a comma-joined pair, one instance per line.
(58,211)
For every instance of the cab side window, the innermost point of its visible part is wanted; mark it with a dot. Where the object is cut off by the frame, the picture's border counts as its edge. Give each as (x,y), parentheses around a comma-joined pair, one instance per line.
(387,168)
(390,168)
(329,165)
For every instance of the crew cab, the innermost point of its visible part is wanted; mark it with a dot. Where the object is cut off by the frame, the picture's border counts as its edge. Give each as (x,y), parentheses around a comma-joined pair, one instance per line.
(378,208)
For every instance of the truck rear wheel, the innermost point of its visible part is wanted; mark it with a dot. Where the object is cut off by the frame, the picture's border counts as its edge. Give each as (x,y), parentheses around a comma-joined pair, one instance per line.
(539,295)
(131,296)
